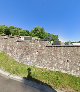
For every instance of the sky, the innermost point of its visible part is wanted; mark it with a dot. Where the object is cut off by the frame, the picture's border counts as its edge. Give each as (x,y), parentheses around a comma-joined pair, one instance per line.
(59,17)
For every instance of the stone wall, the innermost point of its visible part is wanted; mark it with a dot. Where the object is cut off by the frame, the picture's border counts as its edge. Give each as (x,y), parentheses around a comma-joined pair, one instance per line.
(38,53)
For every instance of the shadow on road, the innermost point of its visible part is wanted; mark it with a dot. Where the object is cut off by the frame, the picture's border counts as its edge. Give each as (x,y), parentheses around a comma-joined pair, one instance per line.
(43,87)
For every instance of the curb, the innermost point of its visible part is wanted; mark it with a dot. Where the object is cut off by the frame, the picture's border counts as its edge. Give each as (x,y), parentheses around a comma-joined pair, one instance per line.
(8,75)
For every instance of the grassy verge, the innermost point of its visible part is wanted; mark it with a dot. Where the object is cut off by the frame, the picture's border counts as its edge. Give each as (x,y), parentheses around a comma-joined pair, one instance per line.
(55,79)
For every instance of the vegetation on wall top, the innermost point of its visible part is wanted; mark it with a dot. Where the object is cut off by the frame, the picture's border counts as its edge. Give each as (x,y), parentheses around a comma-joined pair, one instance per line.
(36,32)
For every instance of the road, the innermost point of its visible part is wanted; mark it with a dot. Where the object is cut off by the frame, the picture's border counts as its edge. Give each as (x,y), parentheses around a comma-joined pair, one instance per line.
(9,85)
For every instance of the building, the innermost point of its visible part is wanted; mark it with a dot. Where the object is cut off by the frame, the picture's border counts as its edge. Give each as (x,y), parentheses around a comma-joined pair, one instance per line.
(76,43)
(25,38)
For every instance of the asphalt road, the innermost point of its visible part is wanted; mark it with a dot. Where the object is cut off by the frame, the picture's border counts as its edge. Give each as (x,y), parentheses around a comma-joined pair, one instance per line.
(9,85)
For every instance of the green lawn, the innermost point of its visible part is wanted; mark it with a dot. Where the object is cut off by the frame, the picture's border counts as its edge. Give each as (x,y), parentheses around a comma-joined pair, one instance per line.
(55,79)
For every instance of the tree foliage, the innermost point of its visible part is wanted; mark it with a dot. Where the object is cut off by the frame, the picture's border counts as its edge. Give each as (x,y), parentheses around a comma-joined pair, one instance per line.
(42,34)
(36,32)
(39,32)
(7,31)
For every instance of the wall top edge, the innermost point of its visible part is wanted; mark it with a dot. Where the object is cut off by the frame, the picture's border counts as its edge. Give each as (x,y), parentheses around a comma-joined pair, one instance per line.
(63,46)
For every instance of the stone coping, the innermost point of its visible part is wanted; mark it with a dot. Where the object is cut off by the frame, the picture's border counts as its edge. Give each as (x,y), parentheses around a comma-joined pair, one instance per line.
(63,46)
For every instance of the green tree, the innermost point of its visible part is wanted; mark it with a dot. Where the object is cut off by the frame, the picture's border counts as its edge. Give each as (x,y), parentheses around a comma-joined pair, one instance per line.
(2,28)
(51,37)
(68,43)
(24,33)
(39,32)
(14,30)
(36,32)
(7,31)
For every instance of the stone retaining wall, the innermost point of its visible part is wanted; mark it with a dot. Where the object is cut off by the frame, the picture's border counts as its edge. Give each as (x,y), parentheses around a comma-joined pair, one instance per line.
(38,53)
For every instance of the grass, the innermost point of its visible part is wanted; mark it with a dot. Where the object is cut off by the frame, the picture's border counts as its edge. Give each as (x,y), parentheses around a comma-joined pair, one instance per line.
(55,79)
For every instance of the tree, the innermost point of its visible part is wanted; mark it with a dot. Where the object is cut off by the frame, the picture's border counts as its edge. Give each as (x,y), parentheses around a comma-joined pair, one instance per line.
(14,30)
(7,31)
(51,37)
(39,32)
(2,28)
(68,43)
(24,33)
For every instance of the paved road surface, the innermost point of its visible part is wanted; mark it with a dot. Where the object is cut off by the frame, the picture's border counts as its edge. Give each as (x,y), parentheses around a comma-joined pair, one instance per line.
(9,85)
